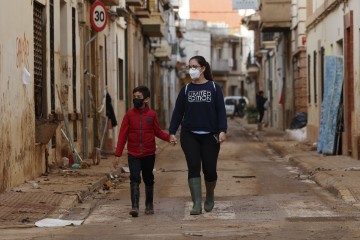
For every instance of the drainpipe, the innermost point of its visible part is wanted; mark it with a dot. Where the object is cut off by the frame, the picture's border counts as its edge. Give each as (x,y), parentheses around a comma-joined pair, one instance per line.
(86,98)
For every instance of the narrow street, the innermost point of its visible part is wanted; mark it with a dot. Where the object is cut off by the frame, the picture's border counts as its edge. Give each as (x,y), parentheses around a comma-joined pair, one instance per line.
(259,195)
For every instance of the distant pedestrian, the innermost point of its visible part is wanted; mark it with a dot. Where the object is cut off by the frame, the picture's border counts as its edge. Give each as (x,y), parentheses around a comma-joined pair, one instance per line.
(200,109)
(139,128)
(236,109)
(239,108)
(260,105)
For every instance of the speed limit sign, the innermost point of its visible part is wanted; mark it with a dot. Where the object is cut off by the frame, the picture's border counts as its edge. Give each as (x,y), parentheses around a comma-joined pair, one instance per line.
(98,16)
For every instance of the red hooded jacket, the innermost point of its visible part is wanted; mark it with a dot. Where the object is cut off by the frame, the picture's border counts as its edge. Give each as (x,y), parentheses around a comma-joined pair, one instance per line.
(139,128)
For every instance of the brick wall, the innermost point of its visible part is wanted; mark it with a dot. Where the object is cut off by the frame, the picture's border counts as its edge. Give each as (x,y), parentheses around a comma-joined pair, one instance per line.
(300,82)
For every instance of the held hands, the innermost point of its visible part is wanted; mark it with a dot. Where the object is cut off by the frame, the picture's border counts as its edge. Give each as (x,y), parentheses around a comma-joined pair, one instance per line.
(222,137)
(173,140)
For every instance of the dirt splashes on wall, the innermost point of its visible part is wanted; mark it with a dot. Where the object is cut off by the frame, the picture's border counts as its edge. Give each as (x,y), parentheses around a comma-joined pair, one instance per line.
(5,148)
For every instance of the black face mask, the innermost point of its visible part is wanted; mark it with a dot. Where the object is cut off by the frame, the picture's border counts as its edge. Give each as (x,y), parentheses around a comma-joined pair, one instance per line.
(138,102)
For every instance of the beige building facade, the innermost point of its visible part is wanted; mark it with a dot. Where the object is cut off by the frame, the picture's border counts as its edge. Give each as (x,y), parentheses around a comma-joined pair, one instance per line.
(331,31)
(56,70)
(47,58)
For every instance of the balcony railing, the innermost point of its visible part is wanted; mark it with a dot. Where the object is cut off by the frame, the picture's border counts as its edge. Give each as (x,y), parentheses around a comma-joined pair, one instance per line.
(223,65)
(267,36)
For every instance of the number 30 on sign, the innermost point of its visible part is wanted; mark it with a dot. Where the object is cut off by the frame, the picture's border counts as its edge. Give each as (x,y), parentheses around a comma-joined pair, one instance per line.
(98,16)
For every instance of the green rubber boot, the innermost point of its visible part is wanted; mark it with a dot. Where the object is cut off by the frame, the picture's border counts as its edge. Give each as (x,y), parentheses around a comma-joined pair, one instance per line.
(195,189)
(209,201)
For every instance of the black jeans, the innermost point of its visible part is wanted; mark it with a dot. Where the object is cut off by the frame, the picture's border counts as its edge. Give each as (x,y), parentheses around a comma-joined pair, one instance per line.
(201,150)
(261,116)
(143,166)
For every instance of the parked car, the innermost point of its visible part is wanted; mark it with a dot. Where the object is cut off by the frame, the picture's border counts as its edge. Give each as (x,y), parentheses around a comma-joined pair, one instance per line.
(230,102)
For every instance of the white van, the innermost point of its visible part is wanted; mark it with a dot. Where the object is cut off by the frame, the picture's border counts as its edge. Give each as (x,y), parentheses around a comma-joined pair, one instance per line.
(230,102)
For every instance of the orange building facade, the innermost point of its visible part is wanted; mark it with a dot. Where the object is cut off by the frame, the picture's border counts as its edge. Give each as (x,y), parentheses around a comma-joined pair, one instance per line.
(215,11)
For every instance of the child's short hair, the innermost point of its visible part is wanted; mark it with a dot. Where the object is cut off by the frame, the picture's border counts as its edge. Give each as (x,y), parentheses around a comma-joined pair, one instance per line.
(144,90)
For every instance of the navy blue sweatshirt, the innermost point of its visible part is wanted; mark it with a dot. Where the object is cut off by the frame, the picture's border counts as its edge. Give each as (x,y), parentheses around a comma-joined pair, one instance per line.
(200,107)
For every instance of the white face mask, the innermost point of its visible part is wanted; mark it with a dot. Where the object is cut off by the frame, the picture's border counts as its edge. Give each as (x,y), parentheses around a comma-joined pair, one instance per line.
(194,73)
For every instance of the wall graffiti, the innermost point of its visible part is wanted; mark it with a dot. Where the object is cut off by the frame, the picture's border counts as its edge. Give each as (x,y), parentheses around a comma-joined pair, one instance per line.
(22,52)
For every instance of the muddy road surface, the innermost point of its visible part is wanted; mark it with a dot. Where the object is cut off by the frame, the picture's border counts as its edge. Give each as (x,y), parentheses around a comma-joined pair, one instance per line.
(259,195)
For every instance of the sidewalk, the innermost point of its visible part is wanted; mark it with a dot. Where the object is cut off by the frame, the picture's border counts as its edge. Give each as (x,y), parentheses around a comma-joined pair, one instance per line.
(53,194)
(340,175)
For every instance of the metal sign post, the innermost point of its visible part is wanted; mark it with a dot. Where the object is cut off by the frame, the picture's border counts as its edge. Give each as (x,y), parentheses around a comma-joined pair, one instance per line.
(98,19)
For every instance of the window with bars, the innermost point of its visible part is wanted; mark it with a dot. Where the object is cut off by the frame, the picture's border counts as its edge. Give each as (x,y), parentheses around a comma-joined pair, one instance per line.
(52,58)
(219,53)
(52,65)
(74,86)
(322,73)
(234,48)
(121,79)
(120,72)
(39,62)
(106,66)
(267,36)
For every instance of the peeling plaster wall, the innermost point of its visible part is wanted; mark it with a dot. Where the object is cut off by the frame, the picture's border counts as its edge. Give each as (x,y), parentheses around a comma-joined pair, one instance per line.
(22,159)
(17,123)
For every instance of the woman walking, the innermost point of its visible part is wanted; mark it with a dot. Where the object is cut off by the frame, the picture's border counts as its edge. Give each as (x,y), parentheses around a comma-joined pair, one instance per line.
(200,110)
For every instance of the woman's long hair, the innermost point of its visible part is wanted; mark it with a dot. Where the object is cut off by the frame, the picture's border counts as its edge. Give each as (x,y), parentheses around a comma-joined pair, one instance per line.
(203,63)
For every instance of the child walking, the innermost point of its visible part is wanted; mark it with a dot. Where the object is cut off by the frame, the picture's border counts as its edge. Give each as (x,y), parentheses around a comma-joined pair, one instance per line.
(139,128)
